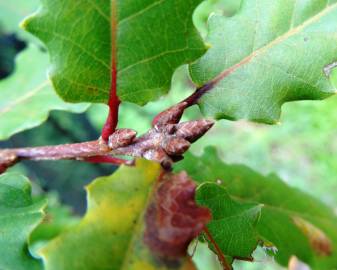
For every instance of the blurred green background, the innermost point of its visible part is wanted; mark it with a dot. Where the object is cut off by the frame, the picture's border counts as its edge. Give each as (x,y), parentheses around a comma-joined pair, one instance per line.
(301,149)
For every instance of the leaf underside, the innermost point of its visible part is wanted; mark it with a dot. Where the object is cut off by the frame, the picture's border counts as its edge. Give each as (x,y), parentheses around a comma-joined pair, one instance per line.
(27,96)
(152,39)
(19,215)
(292,221)
(269,53)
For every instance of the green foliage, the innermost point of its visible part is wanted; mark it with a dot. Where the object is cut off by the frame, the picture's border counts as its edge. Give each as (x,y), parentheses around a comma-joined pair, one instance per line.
(153,38)
(269,53)
(27,95)
(58,218)
(294,222)
(302,135)
(19,215)
(233,223)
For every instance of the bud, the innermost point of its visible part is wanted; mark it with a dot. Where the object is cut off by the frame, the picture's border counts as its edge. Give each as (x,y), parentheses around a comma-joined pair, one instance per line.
(7,159)
(175,146)
(170,116)
(193,130)
(121,137)
(159,155)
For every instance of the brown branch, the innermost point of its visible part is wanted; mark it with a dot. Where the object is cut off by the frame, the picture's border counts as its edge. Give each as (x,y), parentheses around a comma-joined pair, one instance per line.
(164,143)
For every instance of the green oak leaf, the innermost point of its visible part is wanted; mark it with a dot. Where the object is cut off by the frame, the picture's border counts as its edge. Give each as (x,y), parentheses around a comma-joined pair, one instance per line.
(19,216)
(291,220)
(268,53)
(27,96)
(233,223)
(148,39)
(110,234)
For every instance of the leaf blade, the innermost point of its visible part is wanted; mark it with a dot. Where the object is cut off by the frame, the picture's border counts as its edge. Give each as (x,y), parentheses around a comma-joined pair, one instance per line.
(19,216)
(278,60)
(232,225)
(147,53)
(27,97)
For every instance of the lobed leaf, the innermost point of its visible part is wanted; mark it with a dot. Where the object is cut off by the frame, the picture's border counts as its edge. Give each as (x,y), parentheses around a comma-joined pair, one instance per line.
(233,223)
(19,216)
(269,53)
(144,41)
(292,221)
(27,96)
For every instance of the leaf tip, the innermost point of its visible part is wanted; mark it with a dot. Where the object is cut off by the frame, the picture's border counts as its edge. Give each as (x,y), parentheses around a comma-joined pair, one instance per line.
(208,45)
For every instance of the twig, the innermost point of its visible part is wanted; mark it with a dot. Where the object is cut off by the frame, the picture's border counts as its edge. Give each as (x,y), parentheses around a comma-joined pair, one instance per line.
(164,143)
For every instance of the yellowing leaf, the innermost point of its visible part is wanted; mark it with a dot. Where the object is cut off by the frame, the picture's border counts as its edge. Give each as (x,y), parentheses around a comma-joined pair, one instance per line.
(110,234)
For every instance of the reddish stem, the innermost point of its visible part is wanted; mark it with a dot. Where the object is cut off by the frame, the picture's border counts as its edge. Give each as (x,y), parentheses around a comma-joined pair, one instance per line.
(221,256)
(109,160)
(194,98)
(112,120)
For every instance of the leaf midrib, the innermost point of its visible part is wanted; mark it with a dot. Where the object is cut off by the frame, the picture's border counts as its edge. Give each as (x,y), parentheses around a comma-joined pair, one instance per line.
(254,54)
